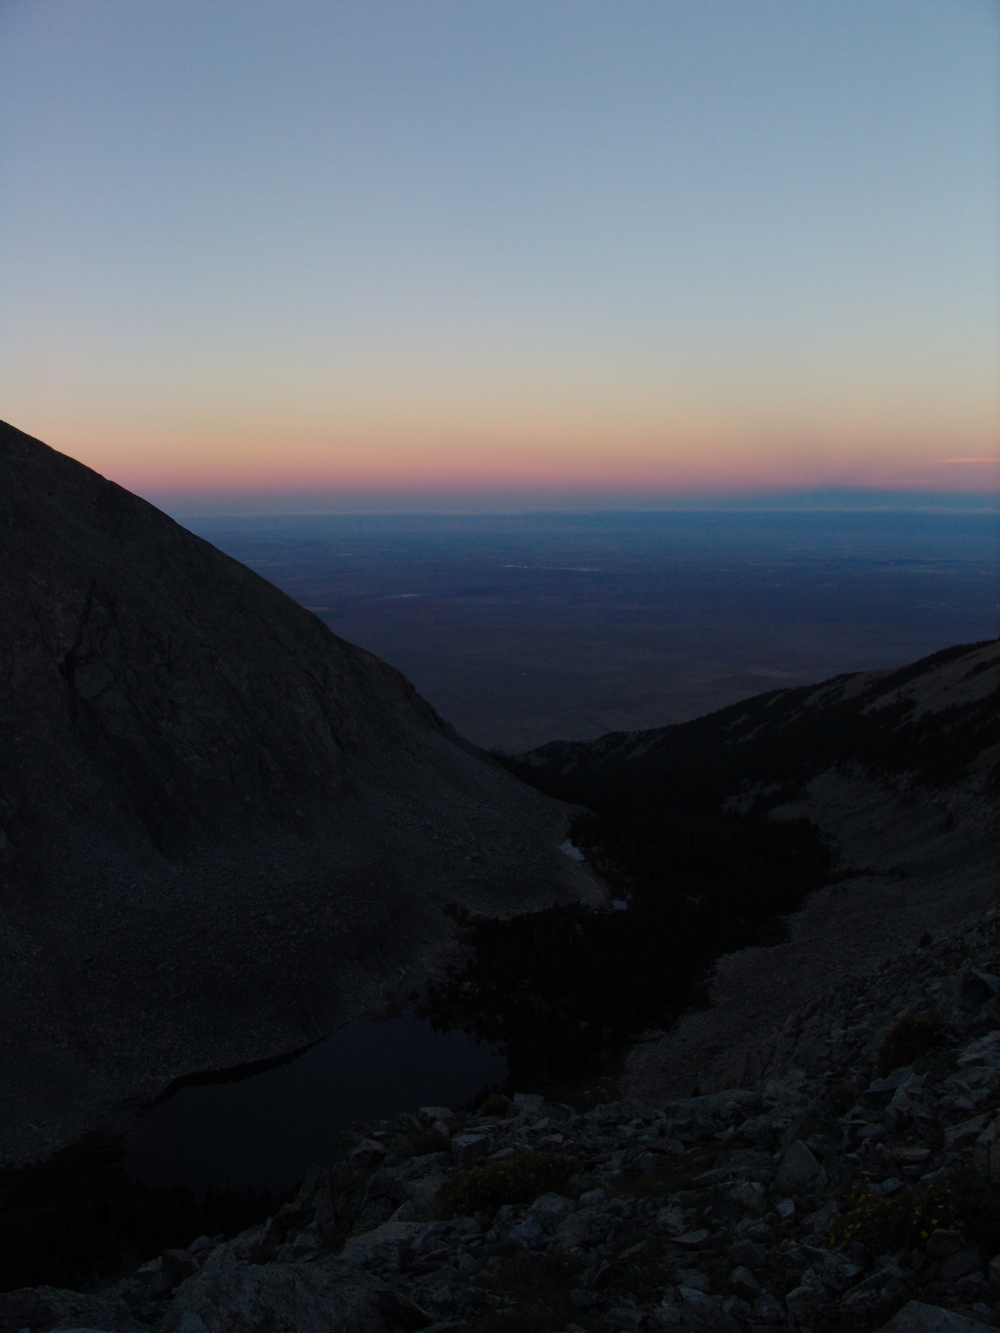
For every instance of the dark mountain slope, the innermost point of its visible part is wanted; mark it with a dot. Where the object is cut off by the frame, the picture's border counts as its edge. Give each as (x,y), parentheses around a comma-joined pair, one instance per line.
(223,830)
(695,829)
(935,723)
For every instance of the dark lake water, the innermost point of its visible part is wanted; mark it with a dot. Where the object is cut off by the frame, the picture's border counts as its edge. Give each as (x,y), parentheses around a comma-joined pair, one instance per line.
(266,1128)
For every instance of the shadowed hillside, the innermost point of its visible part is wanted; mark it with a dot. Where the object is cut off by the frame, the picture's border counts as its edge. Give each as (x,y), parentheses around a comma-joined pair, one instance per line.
(713,831)
(223,830)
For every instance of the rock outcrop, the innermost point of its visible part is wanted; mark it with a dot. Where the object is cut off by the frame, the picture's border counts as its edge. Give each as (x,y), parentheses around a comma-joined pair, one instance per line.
(223,830)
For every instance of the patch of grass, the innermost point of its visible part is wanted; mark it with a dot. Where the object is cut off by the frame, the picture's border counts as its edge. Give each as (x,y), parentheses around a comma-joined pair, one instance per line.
(958,1201)
(517,1179)
(538,1290)
(495,1104)
(909,1039)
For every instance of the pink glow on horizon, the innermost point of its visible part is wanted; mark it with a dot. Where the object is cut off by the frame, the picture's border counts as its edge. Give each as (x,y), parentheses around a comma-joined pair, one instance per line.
(606,465)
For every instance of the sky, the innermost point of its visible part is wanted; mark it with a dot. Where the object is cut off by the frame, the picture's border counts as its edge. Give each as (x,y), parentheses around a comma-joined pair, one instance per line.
(293,254)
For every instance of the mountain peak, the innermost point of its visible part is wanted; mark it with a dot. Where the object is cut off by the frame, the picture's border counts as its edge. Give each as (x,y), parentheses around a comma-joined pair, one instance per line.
(225,831)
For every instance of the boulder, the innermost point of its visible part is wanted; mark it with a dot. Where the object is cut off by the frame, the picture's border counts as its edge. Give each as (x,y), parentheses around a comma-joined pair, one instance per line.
(941,1244)
(967,1260)
(743,1282)
(311,1298)
(916,1317)
(799,1168)
(469,1148)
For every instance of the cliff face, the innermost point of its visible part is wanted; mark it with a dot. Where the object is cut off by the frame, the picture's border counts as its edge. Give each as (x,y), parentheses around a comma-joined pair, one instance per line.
(223,830)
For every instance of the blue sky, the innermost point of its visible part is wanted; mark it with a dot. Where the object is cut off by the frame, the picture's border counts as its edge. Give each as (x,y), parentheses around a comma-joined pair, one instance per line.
(595,249)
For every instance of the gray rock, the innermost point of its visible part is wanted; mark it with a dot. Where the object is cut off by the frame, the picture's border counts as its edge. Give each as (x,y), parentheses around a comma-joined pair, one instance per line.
(580,1231)
(551,1209)
(986,1154)
(692,1295)
(750,1196)
(942,1243)
(693,1279)
(625,1317)
(311,1298)
(592,1198)
(737,1308)
(667,1316)
(916,1317)
(976,988)
(692,1240)
(470,1148)
(424,1193)
(891,1185)
(369,1152)
(799,1168)
(431,1114)
(748,1254)
(743,1282)
(670,1220)
(583,1299)
(530,1102)
(804,1300)
(768,1310)
(51,1308)
(968,1260)
(965,1134)
(361,1249)
(529,1232)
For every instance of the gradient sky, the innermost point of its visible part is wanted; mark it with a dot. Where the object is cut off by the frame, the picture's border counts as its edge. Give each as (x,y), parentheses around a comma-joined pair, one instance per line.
(329,250)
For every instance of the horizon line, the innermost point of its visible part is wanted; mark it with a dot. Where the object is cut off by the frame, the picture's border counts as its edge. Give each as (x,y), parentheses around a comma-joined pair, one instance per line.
(843,499)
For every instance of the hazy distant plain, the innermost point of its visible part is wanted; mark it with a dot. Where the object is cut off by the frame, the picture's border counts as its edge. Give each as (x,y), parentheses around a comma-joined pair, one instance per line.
(522,629)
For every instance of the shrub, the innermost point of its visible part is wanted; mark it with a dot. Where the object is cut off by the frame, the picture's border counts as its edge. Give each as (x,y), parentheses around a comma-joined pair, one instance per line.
(517,1179)
(536,1292)
(908,1040)
(958,1201)
(495,1104)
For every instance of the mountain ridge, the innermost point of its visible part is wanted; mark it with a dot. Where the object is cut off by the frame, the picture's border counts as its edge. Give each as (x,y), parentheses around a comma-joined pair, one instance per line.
(894,721)
(225,831)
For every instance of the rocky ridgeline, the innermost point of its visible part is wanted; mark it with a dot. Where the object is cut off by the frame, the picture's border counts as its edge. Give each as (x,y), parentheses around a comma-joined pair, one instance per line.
(850,1181)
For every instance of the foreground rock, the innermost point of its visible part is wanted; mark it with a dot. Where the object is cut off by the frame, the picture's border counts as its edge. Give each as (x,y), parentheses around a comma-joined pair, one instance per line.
(795,1203)
(223,830)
